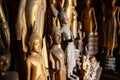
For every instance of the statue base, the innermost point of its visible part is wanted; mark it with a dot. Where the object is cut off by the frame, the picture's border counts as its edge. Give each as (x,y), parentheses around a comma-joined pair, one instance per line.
(110,63)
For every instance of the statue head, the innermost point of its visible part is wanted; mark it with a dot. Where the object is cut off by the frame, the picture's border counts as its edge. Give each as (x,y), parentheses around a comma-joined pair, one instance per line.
(87,2)
(5,58)
(63,17)
(34,42)
(56,35)
(113,2)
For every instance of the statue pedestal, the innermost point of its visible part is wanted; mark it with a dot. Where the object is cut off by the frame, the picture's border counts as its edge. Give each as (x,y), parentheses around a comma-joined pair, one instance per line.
(110,63)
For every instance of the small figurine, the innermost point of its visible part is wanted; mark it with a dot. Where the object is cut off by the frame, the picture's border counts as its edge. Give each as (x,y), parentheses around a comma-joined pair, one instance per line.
(5,57)
(81,36)
(35,62)
(57,66)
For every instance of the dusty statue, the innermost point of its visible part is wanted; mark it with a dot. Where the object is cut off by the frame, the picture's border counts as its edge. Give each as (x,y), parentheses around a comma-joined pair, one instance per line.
(4,30)
(113,23)
(67,43)
(35,62)
(57,57)
(30,11)
(88,19)
(5,58)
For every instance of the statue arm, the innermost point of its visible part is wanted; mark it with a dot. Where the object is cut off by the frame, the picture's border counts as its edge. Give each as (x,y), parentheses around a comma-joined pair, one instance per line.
(52,60)
(44,72)
(118,16)
(5,27)
(28,64)
(94,18)
(20,19)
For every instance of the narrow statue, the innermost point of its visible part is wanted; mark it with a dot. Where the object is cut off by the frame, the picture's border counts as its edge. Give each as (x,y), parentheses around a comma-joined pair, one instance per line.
(4,30)
(35,62)
(113,23)
(30,11)
(57,66)
(69,8)
(81,35)
(67,43)
(5,58)
(88,19)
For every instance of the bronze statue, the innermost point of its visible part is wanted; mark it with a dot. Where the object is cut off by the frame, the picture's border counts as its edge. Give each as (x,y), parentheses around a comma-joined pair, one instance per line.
(4,30)
(88,19)
(30,11)
(67,43)
(113,23)
(5,58)
(57,66)
(35,62)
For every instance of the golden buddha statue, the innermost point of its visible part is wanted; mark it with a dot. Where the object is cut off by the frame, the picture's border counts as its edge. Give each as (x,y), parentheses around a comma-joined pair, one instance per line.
(112,23)
(57,57)
(35,62)
(30,11)
(4,30)
(88,19)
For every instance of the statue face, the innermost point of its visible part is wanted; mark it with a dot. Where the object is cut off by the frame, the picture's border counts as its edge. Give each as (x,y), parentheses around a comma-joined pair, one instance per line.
(57,39)
(4,63)
(65,19)
(87,2)
(36,45)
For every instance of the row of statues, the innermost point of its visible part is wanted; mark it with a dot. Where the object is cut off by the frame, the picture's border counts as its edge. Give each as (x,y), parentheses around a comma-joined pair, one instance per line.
(52,52)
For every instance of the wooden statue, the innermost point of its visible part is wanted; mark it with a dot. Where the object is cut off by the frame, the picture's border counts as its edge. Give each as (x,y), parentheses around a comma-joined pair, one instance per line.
(113,23)
(88,19)
(57,57)
(5,58)
(67,43)
(35,62)
(4,30)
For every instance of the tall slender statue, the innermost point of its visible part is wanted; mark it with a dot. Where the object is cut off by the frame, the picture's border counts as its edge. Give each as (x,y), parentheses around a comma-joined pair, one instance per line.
(69,8)
(113,23)
(30,11)
(88,19)
(4,30)
(67,43)
(57,57)
(35,62)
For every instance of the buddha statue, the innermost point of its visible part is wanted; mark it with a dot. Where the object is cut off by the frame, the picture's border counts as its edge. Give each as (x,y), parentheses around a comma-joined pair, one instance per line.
(57,66)
(4,30)
(35,62)
(88,20)
(112,23)
(30,11)
(5,58)
(67,43)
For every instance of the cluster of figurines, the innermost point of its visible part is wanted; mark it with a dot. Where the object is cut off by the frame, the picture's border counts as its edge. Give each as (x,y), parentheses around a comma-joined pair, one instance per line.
(65,49)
